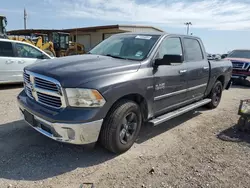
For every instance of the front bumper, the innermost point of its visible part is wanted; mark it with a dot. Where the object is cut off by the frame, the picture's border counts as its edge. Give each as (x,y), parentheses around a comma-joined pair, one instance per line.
(80,133)
(240,73)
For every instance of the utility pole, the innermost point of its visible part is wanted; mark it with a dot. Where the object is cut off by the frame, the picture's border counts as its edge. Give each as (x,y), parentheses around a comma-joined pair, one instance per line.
(188,24)
(25,18)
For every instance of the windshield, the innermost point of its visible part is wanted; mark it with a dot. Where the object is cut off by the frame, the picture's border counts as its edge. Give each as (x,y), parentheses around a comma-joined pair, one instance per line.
(134,47)
(240,54)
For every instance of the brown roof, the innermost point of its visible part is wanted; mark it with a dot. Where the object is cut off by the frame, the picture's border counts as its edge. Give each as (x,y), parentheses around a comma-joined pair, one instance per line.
(94,28)
(142,26)
(83,29)
(29,31)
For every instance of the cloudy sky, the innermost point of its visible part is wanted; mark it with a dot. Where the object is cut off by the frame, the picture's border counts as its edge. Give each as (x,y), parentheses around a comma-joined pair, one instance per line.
(223,25)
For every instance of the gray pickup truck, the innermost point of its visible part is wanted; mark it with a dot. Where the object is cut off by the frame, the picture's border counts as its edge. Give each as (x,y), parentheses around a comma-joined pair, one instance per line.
(125,81)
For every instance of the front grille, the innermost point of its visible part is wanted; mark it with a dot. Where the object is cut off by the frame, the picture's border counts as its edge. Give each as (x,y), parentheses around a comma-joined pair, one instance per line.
(26,77)
(44,90)
(237,65)
(29,92)
(246,65)
(49,100)
(44,84)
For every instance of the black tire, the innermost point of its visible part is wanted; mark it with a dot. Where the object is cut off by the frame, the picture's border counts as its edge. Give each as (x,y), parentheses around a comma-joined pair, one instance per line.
(115,126)
(215,95)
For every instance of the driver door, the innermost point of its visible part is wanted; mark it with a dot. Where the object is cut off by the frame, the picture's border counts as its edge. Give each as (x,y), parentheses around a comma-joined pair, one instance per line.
(170,80)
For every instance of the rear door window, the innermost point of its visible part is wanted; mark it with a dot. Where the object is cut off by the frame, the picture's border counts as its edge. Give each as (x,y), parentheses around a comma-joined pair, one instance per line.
(193,50)
(27,51)
(6,49)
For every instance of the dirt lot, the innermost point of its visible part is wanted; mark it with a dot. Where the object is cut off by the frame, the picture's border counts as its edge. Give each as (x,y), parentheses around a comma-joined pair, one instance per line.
(188,151)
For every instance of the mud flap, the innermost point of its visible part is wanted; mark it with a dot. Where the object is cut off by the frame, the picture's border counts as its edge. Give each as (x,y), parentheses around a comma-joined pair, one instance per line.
(229,84)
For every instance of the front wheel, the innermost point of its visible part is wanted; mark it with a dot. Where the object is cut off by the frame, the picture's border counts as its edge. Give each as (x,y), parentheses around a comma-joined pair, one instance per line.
(121,127)
(215,95)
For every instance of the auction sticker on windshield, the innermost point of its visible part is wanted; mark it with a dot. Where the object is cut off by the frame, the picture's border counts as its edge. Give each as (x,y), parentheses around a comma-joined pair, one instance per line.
(143,37)
(139,54)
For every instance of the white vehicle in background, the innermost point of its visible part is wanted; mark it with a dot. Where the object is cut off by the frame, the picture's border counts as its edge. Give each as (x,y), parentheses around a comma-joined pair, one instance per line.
(14,56)
(209,57)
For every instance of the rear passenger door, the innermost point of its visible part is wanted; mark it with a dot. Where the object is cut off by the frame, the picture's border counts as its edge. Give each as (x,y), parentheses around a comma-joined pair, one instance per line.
(198,68)
(26,55)
(7,62)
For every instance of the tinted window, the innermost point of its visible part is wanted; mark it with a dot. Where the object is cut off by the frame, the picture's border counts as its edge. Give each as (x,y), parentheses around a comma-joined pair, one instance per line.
(27,51)
(170,46)
(240,54)
(128,46)
(6,49)
(193,50)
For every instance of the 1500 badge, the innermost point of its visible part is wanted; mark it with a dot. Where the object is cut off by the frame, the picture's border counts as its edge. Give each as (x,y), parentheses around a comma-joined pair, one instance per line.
(160,86)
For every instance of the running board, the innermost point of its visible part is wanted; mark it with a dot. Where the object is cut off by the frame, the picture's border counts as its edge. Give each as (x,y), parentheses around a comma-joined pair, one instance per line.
(178,112)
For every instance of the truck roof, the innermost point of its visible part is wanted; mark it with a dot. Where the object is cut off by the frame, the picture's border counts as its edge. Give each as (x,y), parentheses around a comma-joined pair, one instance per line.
(241,50)
(157,33)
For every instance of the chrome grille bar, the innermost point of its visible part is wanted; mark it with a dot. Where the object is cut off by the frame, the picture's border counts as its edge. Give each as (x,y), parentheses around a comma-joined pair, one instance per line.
(26,77)
(237,65)
(44,90)
(45,84)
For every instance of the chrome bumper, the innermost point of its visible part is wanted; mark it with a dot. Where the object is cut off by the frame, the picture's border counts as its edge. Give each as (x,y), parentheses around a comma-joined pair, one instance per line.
(81,133)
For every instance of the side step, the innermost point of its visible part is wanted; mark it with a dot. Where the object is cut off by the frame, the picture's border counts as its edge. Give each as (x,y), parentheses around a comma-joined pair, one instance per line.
(178,112)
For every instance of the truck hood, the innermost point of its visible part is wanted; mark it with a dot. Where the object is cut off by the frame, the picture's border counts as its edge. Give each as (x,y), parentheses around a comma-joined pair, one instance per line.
(72,71)
(243,60)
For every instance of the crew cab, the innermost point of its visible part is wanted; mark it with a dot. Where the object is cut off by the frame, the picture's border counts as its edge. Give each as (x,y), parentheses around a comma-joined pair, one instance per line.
(14,56)
(125,81)
(241,63)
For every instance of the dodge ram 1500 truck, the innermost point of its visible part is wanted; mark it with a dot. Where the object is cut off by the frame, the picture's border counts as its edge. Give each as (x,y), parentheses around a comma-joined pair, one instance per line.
(124,81)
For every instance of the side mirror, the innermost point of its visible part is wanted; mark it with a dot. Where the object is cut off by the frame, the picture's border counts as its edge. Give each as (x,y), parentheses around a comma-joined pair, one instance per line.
(168,59)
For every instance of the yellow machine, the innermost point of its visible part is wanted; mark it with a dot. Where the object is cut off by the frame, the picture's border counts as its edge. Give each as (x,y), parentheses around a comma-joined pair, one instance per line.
(54,42)
(63,47)
(75,48)
(3,24)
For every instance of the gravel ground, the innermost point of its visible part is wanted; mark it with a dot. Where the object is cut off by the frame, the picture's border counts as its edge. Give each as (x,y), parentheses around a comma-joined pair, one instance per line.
(189,151)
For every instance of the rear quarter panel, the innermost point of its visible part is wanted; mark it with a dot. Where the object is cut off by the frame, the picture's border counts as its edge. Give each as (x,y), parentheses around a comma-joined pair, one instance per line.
(219,68)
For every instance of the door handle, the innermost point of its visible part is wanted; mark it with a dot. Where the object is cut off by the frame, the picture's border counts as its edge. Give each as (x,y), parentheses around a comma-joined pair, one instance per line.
(9,61)
(205,68)
(21,62)
(182,71)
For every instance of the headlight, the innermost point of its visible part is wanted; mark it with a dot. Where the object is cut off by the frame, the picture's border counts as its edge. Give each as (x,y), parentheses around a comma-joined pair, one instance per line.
(84,97)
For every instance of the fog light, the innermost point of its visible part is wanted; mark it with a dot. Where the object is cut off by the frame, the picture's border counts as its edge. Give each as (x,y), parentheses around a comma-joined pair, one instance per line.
(71,134)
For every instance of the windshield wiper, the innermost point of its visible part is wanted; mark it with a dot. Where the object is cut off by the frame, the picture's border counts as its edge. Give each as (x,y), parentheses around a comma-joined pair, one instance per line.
(115,56)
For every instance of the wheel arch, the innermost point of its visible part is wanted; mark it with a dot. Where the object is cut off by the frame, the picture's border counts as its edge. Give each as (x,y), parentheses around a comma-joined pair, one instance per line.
(212,81)
(221,78)
(137,98)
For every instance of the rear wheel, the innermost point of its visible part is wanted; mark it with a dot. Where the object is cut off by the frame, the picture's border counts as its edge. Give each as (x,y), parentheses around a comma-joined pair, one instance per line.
(121,127)
(215,95)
